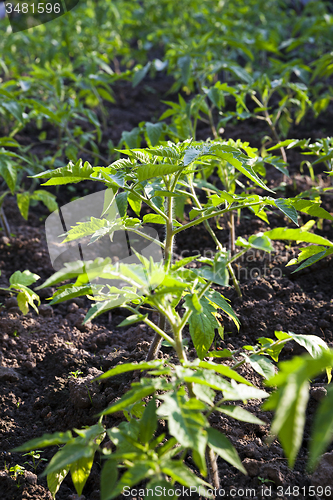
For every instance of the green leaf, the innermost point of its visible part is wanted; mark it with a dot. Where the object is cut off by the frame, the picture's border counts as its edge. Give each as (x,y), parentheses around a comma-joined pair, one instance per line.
(55,479)
(186,423)
(132,396)
(192,302)
(71,174)
(83,229)
(283,233)
(183,262)
(222,303)
(109,476)
(148,422)
(225,353)
(134,318)
(202,327)
(154,132)
(289,419)
(8,142)
(135,203)
(68,292)
(154,219)
(134,475)
(8,172)
(322,433)
(273,350)
(45,440)
(287,209)
(70,271)
(313,344)
(132,138)
(220,275)
(129,367)
(122,201)
(261,365)
(221,445)
(23,202)
(80,471)
(314,258)
(290,399)
(216,96)
(150,170)
(244,168)
(184,476)
(26,278)
(311,208)
(278,163)
(306,253)
(184,63)
(72,452)
(239,414)
(23,303)
(14,108)
(47,198)
(191,154)
(259,242)
(204,393)
(140,74)
(226,371)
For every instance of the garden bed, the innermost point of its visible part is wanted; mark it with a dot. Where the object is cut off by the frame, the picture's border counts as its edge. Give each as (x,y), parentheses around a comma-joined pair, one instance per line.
(48,360)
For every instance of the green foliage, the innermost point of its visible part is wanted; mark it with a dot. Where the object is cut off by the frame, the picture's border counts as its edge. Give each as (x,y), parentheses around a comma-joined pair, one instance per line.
(185,391)
(269,71)
(289,403)
(19,284)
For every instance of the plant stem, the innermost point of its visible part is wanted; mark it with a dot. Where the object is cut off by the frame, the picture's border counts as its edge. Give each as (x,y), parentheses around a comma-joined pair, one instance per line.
(217,242)
(271,125)
(234,280)
(169,236)
(157,340)
(161,333)
(213,472)
(213,214)
(232,233)
(4,222)
(168,247)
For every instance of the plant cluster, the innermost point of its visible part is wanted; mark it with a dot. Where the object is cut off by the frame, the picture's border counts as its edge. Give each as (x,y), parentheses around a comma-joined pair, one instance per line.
(186,392)
(58,81)
(276,72)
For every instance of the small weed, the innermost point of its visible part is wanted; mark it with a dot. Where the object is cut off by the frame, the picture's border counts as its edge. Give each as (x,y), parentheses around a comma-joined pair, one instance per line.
(16,470)
(36,459)
(75,374)
(264,480)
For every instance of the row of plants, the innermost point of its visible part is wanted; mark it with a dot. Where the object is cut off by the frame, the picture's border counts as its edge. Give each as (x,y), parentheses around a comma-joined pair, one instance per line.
(274,72)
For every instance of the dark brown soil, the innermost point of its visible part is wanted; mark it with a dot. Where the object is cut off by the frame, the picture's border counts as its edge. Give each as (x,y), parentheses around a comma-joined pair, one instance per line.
(41,353)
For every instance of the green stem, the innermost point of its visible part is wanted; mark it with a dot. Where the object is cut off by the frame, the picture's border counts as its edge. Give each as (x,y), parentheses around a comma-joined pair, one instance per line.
(169,237)
(146,236)
(234,280)
(217,243)
(213,214)
(147,202)
(168,247)
(159,331)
